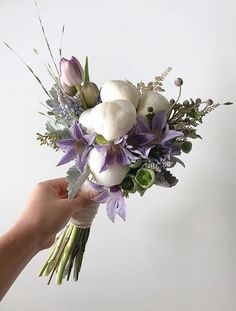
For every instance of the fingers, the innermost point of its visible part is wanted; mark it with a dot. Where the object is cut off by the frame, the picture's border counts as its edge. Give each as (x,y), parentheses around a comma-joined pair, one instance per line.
(81,200)
(58,186)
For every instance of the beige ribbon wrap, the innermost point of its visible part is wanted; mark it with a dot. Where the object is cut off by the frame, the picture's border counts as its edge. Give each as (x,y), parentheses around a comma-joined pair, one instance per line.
(84,216)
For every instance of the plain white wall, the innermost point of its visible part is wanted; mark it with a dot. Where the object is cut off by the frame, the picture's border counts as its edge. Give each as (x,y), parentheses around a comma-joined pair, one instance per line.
(177,250)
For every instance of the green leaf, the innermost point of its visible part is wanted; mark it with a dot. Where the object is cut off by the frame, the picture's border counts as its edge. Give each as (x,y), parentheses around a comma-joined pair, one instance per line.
(186,146)
(145,177)
(75,180)
(86,71)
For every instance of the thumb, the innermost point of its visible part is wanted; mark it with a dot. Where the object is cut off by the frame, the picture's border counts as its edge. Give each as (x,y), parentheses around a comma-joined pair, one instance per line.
(83,199)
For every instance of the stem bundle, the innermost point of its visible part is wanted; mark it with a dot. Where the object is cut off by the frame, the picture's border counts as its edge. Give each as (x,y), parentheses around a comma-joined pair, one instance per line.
(67,254)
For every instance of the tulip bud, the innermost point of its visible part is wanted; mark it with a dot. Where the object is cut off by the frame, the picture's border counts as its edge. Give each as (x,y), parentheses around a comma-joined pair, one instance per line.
(154,100)
(118,89)
(69,90)
(91,93)
(111,176)
(71,71)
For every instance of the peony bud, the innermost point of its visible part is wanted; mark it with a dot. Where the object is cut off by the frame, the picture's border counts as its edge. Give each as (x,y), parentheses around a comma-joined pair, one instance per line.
(71,71)
(111,176)
(118,89)
(154,100)
(112,120)
(91,93)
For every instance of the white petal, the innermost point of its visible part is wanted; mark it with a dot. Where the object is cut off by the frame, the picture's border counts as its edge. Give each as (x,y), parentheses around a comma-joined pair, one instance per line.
(86,122)
(119,89)
(113,119)
(154,100)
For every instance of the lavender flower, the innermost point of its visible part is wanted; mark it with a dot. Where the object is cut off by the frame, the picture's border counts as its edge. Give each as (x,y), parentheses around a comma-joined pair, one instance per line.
(78,146)
(114,198)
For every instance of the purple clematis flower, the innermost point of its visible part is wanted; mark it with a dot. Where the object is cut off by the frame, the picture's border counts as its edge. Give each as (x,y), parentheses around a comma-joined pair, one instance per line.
(117,151)
(162,145)
(160,128)
(114,198)
(140,137)
(78,146)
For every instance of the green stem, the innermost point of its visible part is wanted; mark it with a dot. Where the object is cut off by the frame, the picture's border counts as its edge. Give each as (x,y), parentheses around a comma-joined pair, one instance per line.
(81,249)
(61,250)
(65,256)
(54,254)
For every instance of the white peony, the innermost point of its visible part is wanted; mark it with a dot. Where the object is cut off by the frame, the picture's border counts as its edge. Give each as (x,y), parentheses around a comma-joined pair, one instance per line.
(119,89)
(86,121)
(154,100)
(112,120)
(110,177)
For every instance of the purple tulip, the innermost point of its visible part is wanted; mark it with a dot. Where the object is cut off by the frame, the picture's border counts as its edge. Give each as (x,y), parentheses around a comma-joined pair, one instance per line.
(72,72)
(69,90)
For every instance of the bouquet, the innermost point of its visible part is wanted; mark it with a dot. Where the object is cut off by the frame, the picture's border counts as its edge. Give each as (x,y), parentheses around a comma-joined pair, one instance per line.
(120,139)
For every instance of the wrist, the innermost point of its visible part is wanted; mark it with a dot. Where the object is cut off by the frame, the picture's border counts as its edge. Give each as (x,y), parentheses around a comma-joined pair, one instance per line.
(21,237)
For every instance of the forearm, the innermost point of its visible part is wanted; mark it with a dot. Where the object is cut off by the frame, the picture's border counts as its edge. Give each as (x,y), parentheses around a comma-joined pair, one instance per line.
(17,247)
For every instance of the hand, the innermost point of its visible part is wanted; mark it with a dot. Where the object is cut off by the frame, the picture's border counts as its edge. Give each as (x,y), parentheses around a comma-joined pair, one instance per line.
(48,210)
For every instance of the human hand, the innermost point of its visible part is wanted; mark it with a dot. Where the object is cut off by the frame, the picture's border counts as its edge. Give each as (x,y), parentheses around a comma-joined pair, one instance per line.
(48,210)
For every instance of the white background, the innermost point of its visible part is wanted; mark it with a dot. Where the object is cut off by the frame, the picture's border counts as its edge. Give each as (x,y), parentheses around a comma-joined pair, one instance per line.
(177,250)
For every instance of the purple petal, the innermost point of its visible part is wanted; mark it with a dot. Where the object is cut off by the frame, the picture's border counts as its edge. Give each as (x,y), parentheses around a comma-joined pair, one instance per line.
(121,209)
(102,197)
(65,143)
(76,131)
(142,125)
(96,187)
(68,156)
(122,157)
(144,138)
(89,138)
(107,160)
(112,208)
(82,160)
(168,135)
(159,121)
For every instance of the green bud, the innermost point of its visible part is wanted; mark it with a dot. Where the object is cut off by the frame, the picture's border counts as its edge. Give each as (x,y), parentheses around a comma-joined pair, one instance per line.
(91,93)
(100,140)
(186,146)
(145,177)
(129,184)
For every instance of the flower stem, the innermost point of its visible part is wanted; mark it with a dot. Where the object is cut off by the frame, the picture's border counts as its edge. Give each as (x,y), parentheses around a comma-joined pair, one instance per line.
(66,255)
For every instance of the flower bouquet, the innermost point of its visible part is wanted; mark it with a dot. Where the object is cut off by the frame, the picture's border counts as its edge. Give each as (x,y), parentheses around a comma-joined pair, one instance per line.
(120,138)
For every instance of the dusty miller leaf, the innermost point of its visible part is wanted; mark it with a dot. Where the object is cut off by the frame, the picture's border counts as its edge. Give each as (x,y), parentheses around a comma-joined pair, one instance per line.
(75,181)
